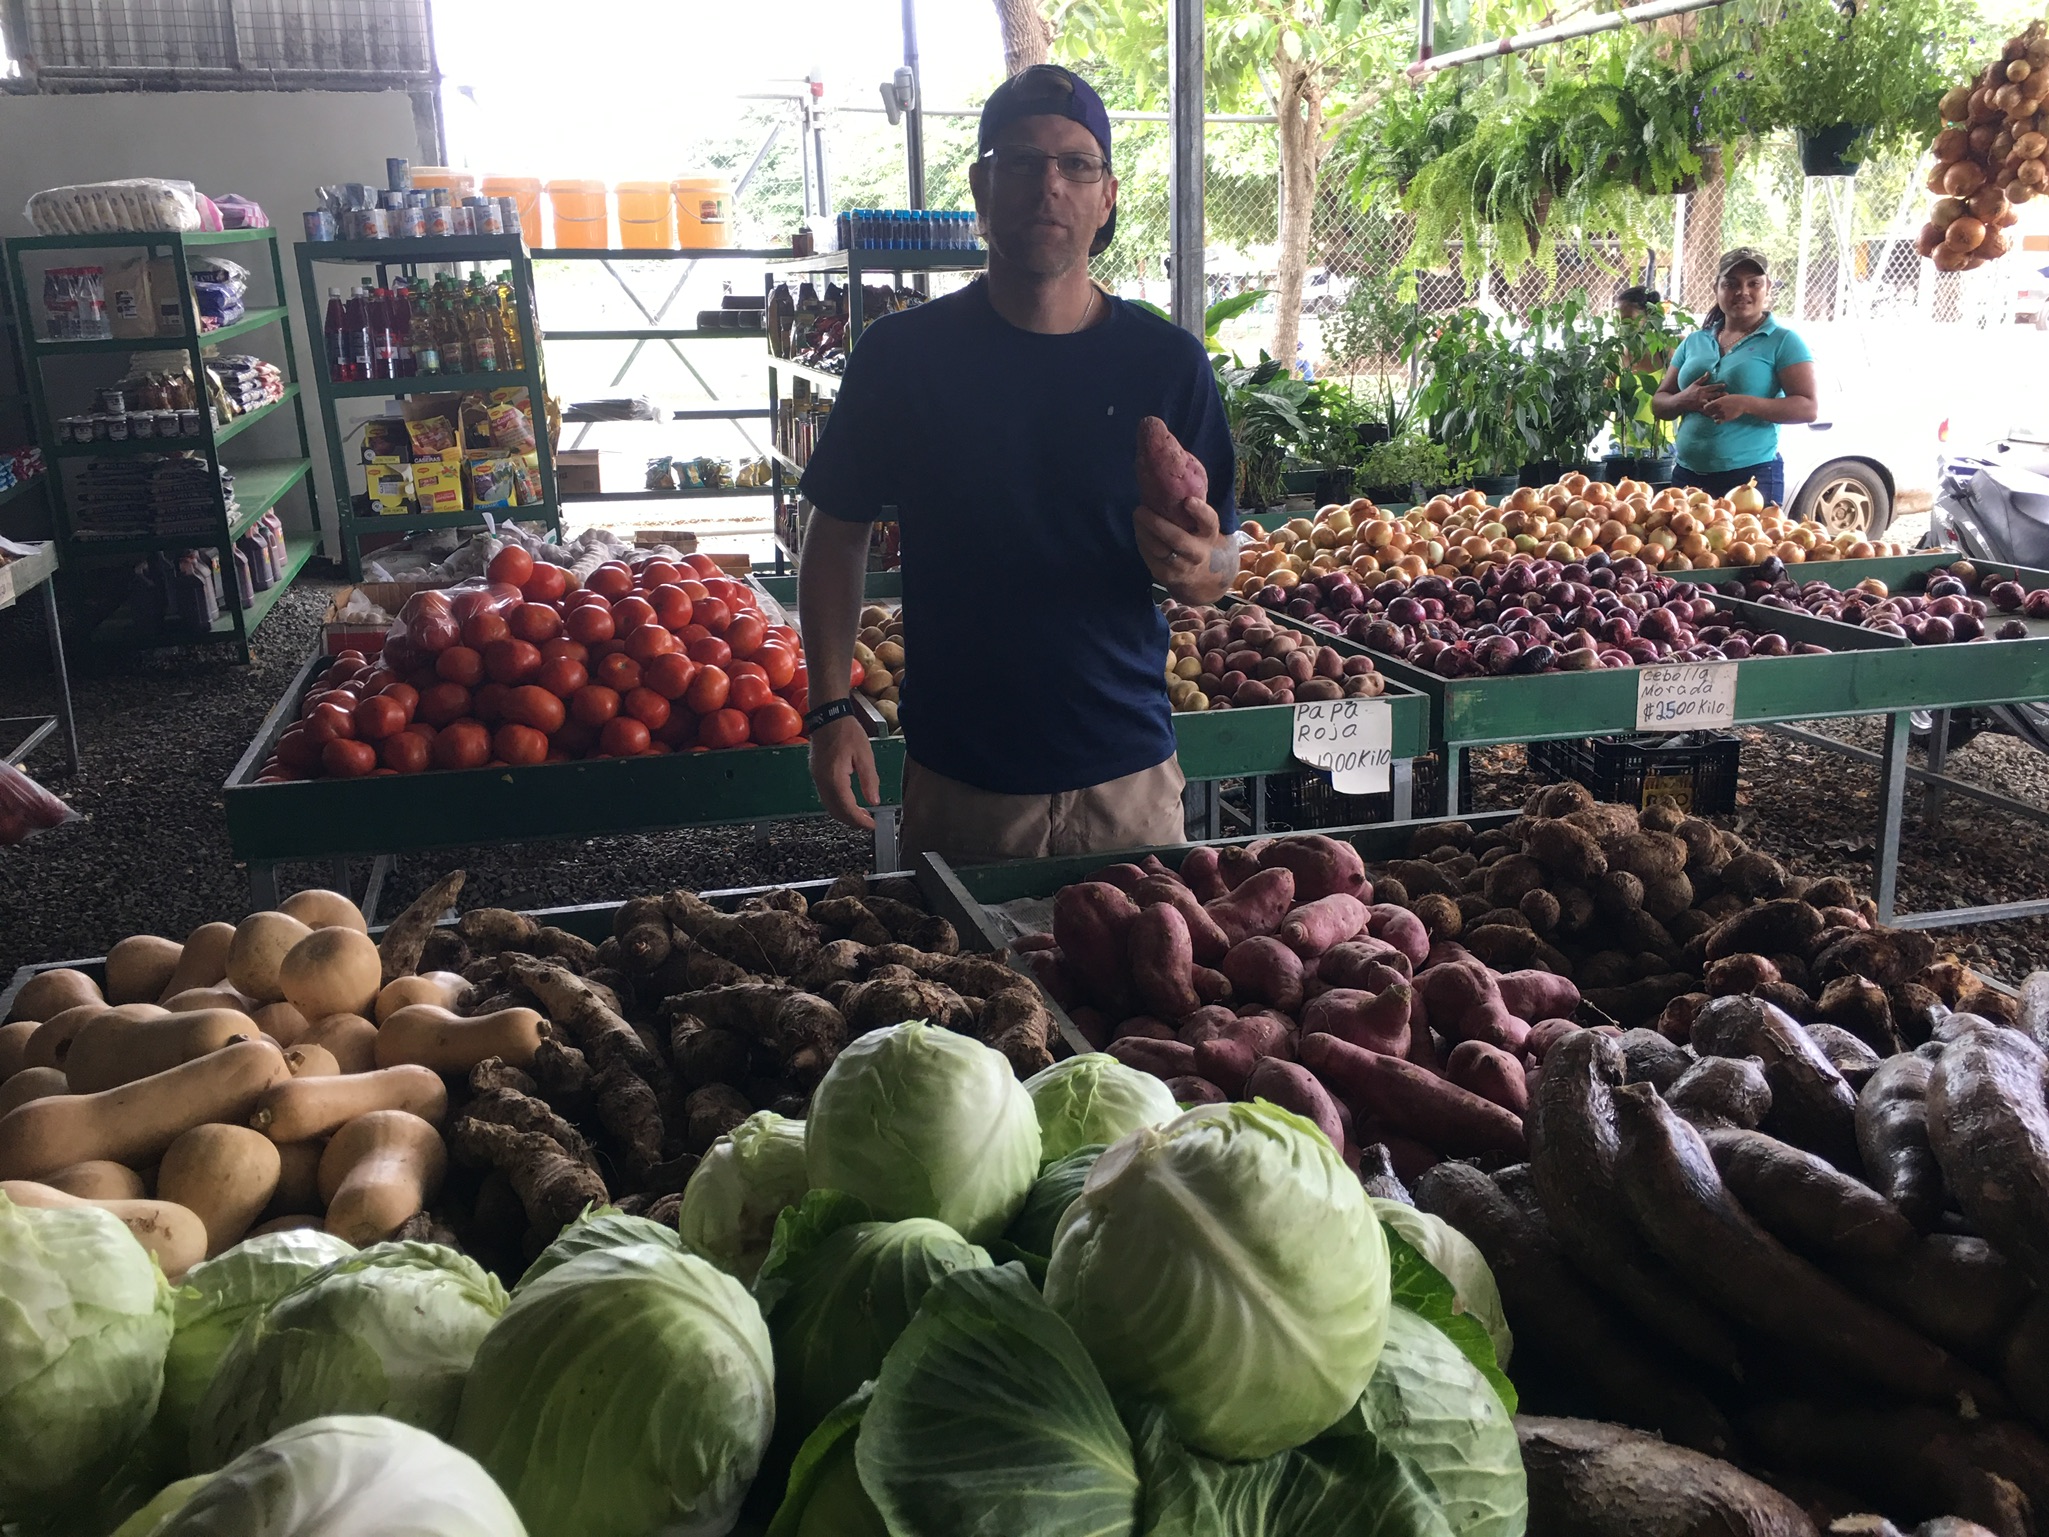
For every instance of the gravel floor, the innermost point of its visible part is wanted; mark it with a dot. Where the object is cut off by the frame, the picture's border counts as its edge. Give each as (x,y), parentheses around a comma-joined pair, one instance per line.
(159,733)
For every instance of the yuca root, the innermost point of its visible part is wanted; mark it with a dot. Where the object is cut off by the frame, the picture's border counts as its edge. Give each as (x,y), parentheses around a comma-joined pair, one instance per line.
(590,1013)
(404,941)
(803,1032)
(491,930)
(1016,1023)
(550,1166)
(631,1115)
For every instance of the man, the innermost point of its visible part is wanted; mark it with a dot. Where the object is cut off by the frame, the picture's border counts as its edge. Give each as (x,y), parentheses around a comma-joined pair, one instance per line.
(999,426)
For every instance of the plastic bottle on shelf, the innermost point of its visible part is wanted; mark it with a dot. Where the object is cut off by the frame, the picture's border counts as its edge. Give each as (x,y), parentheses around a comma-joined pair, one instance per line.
(448,334)
(341,359)
(399,310)
(356,332)
(383,341)
(480,330)
(426,348)
(511,354)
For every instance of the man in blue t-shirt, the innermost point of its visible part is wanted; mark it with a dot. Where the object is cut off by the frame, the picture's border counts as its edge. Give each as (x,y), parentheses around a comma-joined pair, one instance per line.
(998,426)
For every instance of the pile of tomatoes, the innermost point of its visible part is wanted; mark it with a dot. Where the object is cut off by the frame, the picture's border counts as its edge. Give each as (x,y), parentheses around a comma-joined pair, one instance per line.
(655,657)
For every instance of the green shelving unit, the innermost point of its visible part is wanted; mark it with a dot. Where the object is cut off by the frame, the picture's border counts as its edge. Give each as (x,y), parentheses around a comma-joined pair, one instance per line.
(410,257)
(260,483)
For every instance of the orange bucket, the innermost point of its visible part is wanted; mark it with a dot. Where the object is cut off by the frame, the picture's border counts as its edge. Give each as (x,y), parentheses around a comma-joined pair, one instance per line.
(704,211)
(525,192)
(582,221)
(647,216)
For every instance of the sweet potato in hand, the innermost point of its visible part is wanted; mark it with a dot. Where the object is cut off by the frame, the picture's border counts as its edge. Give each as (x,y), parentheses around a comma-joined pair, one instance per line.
(1168,474)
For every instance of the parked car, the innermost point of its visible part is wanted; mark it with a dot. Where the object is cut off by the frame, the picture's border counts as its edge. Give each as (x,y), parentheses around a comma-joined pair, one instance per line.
(1847,475)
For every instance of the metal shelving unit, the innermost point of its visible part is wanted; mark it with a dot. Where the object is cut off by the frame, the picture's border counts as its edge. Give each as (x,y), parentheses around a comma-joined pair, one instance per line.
(259,484)
(409,256)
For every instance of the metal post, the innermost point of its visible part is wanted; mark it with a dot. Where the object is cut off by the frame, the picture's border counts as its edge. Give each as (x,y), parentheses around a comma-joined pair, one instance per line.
(1185,168)
(1938,759)
(1676,291)
(818,150)
(1892,793)
(914,115)
(1426,24)
(1806,240)
(804,137)
(56,628)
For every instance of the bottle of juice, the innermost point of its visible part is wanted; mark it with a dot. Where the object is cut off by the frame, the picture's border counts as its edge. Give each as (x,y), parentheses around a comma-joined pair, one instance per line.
(401,312)
(426,348)
(480,328)
(356,332)
(383,343)
(510,350)
(340,359)
(455,358)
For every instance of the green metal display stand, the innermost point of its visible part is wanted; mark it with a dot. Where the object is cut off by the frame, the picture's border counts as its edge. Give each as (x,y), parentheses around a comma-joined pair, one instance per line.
(25,733)
(409,256)
(260,484)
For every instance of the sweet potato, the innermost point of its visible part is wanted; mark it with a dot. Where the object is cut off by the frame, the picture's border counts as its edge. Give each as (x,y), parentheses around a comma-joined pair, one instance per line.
(1163,1059)
(1294,1087)
(1812,1106)
(1199,873)
(1168,474)
(1848,1054)
(1092,925)
(1989,1128)
(1144,1027)
(1958,1290)
(1491,1073)
(1671,1190)
(1321,866)
(1237,863)
(1722,1091)
(1124,877)
(1314,927)
(1255,906)
(1204,937)
(1892,1139)
(1401,928)
(1226,1062)
(1805,1203)
(1376,1023)
(1463,1003)
(1192,1089)
(1588,1479)
(1351,964)
(1270,1034)
(1535,995)
(1548,1033)
(1786,924)
(1161,960)
(1652,1059)
(1210,986)
(1412,1101)
(1263,970)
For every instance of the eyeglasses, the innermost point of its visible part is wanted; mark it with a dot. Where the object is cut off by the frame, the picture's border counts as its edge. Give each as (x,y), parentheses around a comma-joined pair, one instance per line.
(1022,160)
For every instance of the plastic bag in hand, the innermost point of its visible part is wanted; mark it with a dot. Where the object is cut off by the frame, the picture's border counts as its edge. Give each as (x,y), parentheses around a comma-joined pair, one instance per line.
(26,808)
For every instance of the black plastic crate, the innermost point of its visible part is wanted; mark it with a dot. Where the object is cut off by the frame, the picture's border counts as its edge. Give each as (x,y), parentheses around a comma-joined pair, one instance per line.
(1304,799)
(1695,770)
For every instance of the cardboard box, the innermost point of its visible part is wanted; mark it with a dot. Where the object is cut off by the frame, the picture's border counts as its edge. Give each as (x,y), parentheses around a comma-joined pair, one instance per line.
(384,438)
(732,565)
(391,488)
(681,540)
(438,483)
(576,472)
(366,635)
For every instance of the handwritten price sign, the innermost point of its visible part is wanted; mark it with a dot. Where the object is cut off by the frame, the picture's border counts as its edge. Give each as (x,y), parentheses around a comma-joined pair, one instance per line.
(1695,696)
(1351,739)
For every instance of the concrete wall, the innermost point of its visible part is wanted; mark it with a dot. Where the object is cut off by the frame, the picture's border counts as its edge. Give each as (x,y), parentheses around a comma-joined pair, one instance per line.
(275,147)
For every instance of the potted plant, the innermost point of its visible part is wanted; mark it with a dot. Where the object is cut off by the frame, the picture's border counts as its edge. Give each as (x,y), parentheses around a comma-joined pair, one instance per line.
(1399,471)
(1467,398)
(1263,406)
(1560,397)
(1636,352)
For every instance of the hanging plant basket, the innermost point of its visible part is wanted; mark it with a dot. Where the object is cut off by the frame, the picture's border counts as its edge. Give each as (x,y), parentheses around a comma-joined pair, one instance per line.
(1822,149)
(1710,156)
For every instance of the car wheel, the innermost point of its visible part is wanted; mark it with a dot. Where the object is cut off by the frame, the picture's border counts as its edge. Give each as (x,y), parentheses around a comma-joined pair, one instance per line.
(1846,496)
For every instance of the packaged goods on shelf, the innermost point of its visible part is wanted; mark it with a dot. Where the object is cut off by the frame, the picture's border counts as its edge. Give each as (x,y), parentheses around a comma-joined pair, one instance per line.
(146,495)
(75,304)
(218,288)
(811,328)
(906,229)
(419,202)
(109,207)
(19,465)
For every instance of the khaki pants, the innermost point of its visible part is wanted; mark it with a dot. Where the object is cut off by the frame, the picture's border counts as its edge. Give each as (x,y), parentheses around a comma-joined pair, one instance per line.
(967,826)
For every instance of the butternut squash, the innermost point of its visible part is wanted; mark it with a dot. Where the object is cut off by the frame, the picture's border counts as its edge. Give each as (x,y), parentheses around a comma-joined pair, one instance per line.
(14,1046)
(318,908)
(203,961)
(298,1180)
(98,1180)
(50,993)
(138,1039)
(331,971)
(32,1083)
(174,1235)
(352,1039)
(377,1172)
(136,1122)
(286,1224)
(51,1043)
(447,1042)
(440,987)
(314,1107)
(223,1174)
(219,996)
(139,966)
(282,1023)
(311,1062)
(262,941)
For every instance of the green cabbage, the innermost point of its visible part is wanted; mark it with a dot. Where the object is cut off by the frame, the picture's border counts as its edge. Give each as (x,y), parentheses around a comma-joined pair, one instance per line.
(390,1330)
(166,1502)
(216,1297)
(1032,1230)
(1459,1261)
(605,1228)
(837,1291)
(347,1475)
(1431,1405)
(1094,1098)
(920,1122)
(1227,1267)
(823,1496)
(85,1320)
(738,1190)
(627,1392)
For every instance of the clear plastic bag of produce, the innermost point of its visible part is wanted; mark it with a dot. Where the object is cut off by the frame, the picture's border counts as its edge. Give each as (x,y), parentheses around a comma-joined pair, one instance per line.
(26,808)
(435,619)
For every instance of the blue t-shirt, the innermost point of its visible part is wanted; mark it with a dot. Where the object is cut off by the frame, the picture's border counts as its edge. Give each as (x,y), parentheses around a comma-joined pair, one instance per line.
(1751,367)
(1036,657)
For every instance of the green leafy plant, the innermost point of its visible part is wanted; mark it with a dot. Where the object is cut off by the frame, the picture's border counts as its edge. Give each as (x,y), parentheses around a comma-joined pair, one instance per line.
(1468,396)
(1637,352)
(1561,391)
(1229,307)
(1405,462)
(1263,405)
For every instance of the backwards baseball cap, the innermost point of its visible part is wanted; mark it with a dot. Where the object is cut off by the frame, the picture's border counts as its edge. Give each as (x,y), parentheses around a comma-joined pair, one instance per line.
(1047,90)
(1742,256)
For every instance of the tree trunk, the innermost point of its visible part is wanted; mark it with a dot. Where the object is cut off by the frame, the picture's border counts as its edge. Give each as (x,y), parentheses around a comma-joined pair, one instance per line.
(1703,238)
(1299,105)
(1027,38)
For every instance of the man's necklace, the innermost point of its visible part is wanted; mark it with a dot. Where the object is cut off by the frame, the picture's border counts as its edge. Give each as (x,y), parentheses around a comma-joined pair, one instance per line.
(1090,310)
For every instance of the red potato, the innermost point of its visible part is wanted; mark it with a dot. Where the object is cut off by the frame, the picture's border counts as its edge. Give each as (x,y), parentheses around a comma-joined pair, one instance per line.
(1463,1003)
(1547,1033)
(1376,1023)
(1123,877)
(1263,970)
(1189,1089)
(1535,995)
(1211,986)
(1143,1027)
(1168,474)
(1204,936)
(1049,967)
(1163,1059)
(1092,925)
(1210,1022)
(1293,1087)
(1352,964)
(1227,1063)
(1491,1073)
(1255,906)
(1322,866)
(1238,863)
(1412,1101)
(1200,874)
(1314,927)
(1161,960)
(1094,1028)
(1400,928)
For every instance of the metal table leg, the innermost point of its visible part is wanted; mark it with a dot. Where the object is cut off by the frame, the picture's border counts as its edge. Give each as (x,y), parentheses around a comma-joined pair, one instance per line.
(1892,791)
(1402,782)
(1258,782)
(262,887)
(1452,757)
(1212,810)
(1938,755)
(886,854)
(63,678)
(339,873)
(380,869)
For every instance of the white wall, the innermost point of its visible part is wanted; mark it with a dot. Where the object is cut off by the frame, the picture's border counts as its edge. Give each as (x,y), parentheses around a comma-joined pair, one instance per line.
(274,147)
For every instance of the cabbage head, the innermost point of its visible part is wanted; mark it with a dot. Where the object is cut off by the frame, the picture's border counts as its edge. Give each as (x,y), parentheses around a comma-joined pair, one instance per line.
(347,1475)
(161,1506)
(217,1297)
(605,1228)
(1094,1098)
(85,1320)
(1059,1182)
(920,1122)
(389,1330)
(739,1189)
(627,1392)
(1226,1267)
(1458,1259)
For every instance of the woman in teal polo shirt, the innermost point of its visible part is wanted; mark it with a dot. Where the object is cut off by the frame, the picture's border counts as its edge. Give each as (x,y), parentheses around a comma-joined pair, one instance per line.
(1732,382)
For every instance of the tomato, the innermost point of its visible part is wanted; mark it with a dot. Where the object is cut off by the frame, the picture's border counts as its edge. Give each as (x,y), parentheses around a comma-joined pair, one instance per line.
(546,583)
(511,661)
(856,673)
(351,654)
(298,750)
(647,707)
(746,670)
(575,739)
(672,605)
(629,614)
(462,744)
(778,664)
(708,690)
(424,677)
(594,704)
(709,652)
(535,623)
(405,753)
(565,650)
(624,737)
(703,565)
(480,629)
(714,614)
(488,704)
(407,696)
(460,664)
(423,731)
(798,699)
(775,723)
(659,572)
(378,718)
(679,730)
(693,589)
(746,634)
(690,632)
(339,719)
(589,622)
(735,595)
(563,677)
(531,705)
(340,671)
(669,675)
(722,728)
(649,642)
(348,760)
(444,702)
(376,680)
(511,564)
(786,634)
(749,694)
(519,744)
(611,580)
(470,601)
(618,671)
(582,596)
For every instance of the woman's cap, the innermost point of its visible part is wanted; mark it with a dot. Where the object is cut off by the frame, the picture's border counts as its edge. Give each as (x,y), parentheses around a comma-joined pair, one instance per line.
(1742,256)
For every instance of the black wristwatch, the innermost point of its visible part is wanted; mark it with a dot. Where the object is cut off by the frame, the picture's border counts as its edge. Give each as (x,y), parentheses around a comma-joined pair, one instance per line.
(826,714)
